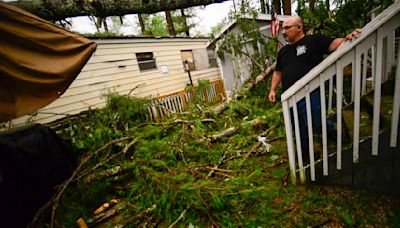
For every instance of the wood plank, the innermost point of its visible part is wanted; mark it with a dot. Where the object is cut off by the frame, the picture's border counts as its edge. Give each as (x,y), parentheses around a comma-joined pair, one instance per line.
(289,140)
(130,61)
(132,69)
(47,117)
(110,58)
(357,103)
(129,56)
(105,65)
(125,78)
(324,130)
(310,136)
(396,105)
(298,142)
(377,94)
(339,99)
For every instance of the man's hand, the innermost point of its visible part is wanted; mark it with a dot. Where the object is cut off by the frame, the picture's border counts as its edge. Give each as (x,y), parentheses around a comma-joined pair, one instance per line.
(276,79)
(271,96)
(354,34)
(339,41)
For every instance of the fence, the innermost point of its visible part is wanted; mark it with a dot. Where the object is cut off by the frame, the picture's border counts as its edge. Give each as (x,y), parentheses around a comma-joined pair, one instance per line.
(179,102)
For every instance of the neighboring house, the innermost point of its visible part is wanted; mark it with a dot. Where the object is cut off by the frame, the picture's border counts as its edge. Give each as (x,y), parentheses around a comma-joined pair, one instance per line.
(141,67)
(244,64)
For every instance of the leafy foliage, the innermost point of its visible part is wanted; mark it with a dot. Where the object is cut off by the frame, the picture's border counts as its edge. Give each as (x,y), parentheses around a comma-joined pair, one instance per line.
(340,21)
(169,170)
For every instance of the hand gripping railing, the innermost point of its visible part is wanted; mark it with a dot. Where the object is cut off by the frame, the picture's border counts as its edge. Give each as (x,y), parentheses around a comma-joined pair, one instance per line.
(374,50)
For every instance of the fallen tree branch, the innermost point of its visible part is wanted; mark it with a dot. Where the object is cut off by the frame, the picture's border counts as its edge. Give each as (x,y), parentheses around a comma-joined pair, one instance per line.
(56,197)
(137,86)
(207,120)
(261,77)
(112,157)
(137,216)
(221,161)
(228,132)
(225,170)
(219,109)
(180,216)
(104,174)
(232,130)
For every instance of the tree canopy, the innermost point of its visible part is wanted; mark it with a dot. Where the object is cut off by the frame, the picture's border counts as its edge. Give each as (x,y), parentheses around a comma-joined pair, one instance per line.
(61,9)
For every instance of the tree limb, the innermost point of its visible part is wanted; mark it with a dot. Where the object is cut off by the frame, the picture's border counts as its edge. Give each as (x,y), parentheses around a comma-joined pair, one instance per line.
(56,197)
(261,77)
(60,9)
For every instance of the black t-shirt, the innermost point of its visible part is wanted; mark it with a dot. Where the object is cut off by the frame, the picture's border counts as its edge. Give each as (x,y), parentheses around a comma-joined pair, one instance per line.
(296,60)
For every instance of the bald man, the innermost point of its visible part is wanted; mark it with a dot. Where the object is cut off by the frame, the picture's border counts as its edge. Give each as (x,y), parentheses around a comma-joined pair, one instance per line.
(296,59)
(301,54)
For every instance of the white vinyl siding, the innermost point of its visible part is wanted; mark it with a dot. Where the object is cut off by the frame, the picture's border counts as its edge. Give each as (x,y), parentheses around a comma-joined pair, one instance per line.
(114,68)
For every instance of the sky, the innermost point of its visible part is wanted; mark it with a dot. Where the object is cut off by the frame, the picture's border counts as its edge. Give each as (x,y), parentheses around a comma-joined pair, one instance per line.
(210,16)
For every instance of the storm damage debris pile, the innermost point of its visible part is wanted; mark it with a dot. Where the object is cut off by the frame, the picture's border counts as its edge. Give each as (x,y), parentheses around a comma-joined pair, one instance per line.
(197,168)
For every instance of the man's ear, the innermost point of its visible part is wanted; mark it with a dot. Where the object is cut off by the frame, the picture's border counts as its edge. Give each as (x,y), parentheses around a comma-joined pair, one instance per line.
(298,26)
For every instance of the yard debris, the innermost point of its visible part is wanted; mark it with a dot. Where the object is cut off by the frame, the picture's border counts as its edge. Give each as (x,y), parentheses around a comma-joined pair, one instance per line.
(81,223)
(170,173)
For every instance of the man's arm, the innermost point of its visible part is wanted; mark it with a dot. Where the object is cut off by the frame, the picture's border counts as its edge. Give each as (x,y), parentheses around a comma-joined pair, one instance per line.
(339,41)
(276,79)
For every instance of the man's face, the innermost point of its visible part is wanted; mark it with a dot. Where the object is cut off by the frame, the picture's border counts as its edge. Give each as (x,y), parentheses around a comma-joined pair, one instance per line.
(290,31)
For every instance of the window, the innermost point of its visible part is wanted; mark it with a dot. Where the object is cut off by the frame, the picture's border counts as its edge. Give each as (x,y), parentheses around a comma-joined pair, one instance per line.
(146,61)
(187,60)
(212,58)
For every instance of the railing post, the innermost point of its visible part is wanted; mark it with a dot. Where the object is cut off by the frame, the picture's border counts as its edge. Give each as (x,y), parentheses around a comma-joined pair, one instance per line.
(339,100)
(330,95)
(377,94)
(289,139)
(357,91)
(324,130)
(396,105)
(390,54)
(298,140)
(310,135)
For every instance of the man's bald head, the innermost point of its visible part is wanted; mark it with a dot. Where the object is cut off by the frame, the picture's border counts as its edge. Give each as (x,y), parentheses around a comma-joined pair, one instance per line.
(292,29)
(294,20)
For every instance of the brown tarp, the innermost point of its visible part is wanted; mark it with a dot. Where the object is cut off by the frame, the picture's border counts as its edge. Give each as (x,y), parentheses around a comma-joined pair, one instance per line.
(38,61)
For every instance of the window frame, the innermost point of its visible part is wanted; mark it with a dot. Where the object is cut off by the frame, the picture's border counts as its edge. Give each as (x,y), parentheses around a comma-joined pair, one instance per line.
(143,63)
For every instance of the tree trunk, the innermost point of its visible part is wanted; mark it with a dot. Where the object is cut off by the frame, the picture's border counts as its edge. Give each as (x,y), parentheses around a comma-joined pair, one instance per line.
(184,21)
(94,20)
(61,9)
(105,24)
(170,23)
(262,2)
(142,25)
(277,6)
(327,4)
(235,72)
(300,6)
(287,7)
(312,5)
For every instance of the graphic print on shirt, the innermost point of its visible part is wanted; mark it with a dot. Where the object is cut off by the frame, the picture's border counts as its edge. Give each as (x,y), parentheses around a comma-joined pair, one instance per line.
(302,49)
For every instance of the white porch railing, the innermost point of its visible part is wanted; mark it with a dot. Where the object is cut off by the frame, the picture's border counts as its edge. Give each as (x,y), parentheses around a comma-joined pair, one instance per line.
(373,51)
